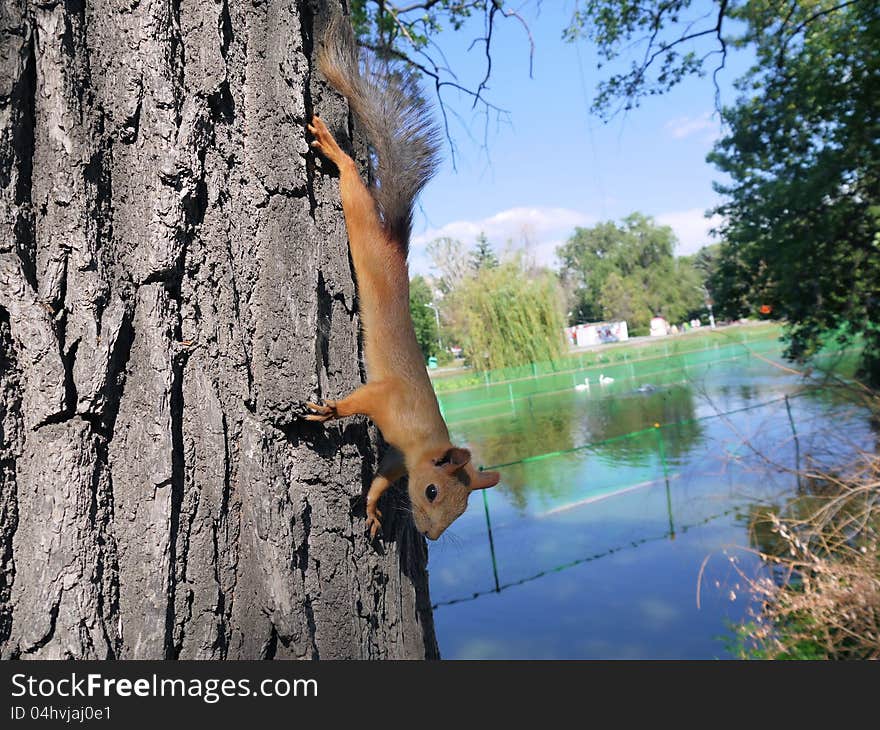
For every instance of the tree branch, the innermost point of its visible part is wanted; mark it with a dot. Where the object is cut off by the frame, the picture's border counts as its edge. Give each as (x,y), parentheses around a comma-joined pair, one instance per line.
(783,46)
(440,84)
(409,32)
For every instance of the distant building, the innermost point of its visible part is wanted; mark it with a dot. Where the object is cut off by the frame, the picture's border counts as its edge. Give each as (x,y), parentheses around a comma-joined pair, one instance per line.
(596,333)
(659,327)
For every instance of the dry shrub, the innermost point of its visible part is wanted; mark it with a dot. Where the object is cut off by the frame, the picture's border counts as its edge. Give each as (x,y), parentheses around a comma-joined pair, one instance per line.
(823,598)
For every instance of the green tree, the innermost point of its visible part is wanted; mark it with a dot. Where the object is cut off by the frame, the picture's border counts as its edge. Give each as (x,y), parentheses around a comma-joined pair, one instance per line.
(423,316)
(706,277)
(801,156)
(629,269)
(673,289)
(483,256)
(803,205)
(507,315)
(621,299)
(730,284)
(706,261)
(588,258)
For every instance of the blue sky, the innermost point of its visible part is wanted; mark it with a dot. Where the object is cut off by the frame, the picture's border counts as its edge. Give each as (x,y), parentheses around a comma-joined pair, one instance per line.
(550,165)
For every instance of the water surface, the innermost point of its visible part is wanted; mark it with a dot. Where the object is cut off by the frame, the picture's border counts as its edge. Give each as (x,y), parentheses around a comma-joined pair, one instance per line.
(638,545)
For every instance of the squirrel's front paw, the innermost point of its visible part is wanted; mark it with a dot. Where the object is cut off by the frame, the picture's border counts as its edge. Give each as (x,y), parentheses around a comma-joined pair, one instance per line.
(373,519)
(324,142)
(323,412)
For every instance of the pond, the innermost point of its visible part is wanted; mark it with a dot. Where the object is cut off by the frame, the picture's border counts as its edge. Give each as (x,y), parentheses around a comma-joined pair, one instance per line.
(631,536)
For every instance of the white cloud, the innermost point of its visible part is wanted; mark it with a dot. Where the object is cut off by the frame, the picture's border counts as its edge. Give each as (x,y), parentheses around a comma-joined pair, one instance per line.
(543,230)
(540,230)
(691,227)
(683,127)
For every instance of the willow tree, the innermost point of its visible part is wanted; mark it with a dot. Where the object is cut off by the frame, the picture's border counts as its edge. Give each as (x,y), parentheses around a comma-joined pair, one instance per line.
(507,315)
(174,281)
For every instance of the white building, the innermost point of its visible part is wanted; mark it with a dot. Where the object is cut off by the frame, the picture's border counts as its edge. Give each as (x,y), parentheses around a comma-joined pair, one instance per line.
(596,333)
(659,327)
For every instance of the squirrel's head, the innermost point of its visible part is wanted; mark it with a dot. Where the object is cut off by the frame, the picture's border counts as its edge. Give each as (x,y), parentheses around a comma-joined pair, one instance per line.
(439,485)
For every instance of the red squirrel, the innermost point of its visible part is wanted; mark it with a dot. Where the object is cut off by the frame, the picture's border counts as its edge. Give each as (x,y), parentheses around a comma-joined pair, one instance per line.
(397,396)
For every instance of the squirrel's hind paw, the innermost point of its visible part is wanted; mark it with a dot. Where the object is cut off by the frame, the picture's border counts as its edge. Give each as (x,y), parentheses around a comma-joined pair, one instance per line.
(374,525)
(321,413)
(373,522)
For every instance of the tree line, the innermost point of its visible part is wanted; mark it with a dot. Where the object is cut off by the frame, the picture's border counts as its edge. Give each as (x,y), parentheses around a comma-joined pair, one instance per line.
(508,310)
(800,237)
(500,311)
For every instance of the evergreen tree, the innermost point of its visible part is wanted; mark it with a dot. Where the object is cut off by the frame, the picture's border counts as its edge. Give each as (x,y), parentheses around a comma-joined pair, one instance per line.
(423,316)
(483,256)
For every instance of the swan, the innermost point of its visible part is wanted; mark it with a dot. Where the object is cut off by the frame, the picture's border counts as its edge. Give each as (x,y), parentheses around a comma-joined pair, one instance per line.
(583,386)
(605,380)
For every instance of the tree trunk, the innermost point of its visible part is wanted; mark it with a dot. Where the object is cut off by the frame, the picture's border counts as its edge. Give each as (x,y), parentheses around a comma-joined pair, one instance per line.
(174,282)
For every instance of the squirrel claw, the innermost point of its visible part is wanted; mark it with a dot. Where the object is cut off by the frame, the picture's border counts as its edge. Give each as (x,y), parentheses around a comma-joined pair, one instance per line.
(324,142)
(375,527)
(373,522)
(322,413)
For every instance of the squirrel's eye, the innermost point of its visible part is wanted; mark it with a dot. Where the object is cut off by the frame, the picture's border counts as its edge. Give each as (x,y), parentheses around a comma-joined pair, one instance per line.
(431,492)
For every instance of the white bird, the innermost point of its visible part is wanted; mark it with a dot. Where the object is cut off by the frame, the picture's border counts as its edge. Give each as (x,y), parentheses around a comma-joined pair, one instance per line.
(583,386)
(604,380)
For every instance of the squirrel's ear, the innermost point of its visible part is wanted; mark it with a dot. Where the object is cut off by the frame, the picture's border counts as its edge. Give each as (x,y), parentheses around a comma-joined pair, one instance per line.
(485,479)
(453,460)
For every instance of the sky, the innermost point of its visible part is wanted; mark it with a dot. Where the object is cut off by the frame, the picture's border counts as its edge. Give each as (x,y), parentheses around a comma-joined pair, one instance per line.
(549,165)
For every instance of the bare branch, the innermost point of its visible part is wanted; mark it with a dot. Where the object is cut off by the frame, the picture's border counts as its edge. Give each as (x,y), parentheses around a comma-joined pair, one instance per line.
(715,30)
(439,85)
(412,27)
(427,5)
(403,29)
(487,40)
(522,22)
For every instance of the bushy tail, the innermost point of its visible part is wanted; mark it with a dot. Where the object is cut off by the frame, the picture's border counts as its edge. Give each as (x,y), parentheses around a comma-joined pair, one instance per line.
(396,120)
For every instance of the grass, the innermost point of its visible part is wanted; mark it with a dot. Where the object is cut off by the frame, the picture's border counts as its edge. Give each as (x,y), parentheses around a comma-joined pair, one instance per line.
(789,642)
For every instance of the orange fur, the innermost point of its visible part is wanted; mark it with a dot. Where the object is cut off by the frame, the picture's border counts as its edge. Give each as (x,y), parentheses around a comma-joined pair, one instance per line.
(398,395)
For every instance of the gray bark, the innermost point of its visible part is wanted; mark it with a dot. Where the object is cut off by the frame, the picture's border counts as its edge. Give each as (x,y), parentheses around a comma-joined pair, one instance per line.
(174,282)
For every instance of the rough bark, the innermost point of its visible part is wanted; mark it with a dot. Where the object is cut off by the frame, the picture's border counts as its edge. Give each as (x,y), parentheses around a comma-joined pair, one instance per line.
(174,282)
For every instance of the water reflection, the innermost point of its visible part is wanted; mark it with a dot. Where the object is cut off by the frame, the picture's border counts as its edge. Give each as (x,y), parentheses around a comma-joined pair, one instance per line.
(611,427)
(592,548)
(669,534)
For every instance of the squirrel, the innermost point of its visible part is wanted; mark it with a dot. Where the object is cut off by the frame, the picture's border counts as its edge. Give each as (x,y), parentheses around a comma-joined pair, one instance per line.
(398,396)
